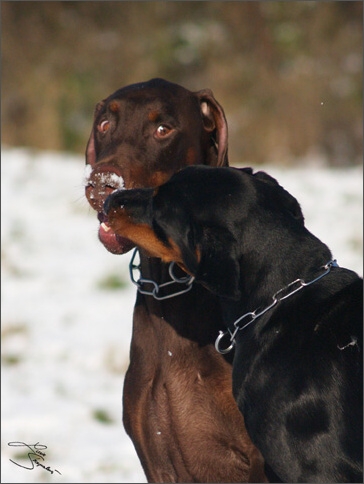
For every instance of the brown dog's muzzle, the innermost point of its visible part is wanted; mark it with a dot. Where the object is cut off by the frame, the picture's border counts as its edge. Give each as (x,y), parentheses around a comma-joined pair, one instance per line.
(100,182)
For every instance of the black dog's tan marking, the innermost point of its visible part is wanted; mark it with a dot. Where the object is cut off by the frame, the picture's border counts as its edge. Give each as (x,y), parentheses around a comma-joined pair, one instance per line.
(122,220)
(298,369)
(122,223)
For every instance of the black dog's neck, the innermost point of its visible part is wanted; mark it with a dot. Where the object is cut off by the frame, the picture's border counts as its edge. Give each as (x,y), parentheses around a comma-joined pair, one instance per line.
(261,277)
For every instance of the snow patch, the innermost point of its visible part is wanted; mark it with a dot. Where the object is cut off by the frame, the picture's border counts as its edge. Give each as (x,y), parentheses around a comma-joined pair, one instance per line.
(65,346)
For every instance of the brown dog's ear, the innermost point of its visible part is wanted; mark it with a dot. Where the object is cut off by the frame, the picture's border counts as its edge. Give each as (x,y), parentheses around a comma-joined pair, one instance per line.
(215,123)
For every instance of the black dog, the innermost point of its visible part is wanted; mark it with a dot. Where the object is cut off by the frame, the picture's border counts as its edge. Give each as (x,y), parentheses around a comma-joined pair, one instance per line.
(295,316)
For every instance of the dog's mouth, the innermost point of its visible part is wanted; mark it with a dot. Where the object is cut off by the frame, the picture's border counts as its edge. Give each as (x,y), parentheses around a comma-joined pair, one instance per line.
(99,184)
(114,243)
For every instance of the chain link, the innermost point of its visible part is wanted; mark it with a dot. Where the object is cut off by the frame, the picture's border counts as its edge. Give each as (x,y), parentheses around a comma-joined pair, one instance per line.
(276,298)
(142,282)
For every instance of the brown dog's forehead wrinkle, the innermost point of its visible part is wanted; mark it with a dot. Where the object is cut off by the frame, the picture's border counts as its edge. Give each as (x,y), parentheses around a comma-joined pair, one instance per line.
(161,98)
(143,111)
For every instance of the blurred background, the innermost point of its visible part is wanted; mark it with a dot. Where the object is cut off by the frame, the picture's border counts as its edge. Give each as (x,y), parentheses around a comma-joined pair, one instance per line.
(288,74)
(289,77)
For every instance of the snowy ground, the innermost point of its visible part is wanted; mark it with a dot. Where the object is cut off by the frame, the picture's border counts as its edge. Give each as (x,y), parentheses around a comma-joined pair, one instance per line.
(67,311)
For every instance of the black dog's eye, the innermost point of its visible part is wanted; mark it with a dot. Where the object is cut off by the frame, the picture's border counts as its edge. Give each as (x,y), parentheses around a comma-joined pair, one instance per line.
(162,131)
(104,126)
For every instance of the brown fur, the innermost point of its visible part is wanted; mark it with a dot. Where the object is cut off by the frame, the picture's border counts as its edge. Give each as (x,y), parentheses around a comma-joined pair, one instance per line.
(178,406)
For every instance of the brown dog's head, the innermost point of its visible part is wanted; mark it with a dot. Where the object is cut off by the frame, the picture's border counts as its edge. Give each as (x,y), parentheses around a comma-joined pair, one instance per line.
(206,219)
(142,134)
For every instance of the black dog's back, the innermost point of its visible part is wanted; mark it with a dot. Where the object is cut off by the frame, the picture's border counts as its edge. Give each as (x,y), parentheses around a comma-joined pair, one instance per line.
(303,392)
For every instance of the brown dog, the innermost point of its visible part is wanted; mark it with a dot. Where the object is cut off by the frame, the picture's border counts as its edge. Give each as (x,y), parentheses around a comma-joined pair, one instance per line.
(178,406)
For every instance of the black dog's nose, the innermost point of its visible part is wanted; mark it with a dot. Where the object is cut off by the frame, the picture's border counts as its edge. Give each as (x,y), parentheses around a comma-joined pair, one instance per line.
(136,199)
(111,201)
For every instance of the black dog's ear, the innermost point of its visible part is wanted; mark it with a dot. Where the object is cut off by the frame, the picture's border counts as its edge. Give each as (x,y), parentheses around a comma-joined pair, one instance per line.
(219,266)
(185,242)
(174,228)
(207,255)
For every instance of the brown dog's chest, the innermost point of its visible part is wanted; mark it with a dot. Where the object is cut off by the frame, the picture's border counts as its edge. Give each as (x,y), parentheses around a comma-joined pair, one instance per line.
(173,394)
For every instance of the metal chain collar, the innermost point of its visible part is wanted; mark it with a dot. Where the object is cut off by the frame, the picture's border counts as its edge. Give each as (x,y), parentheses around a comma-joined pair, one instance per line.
(142,282)
(278,296)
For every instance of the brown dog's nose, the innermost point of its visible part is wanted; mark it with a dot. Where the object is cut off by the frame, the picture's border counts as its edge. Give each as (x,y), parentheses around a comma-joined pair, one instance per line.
(101,182)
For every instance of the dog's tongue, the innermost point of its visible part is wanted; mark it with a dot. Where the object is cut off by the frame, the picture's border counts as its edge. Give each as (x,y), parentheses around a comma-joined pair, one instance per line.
(113,243)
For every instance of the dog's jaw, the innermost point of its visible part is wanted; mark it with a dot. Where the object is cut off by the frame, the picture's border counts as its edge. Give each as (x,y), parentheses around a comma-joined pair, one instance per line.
(99,183)
(114,243)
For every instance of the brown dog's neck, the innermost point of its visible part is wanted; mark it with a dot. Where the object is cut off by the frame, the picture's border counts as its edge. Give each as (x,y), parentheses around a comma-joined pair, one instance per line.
(194,314)
(153,268)
(165,280)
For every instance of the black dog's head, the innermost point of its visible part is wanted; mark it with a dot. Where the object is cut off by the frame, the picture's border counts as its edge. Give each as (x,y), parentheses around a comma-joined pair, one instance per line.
(205,219)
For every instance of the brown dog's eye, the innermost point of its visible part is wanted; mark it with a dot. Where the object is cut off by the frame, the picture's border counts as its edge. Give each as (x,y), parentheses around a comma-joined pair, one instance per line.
(162,131)
(104,126)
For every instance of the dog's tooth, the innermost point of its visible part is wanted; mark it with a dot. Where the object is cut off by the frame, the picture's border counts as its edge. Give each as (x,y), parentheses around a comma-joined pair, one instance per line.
(105,227)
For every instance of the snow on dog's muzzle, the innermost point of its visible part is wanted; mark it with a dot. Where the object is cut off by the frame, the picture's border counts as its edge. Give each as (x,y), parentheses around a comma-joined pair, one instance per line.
(99,184)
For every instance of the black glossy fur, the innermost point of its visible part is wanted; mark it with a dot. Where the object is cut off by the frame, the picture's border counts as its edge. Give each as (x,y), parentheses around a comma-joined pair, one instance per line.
(297,371)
